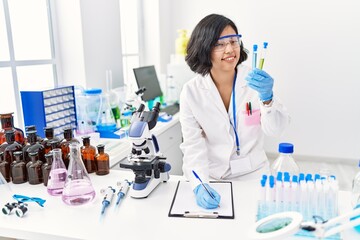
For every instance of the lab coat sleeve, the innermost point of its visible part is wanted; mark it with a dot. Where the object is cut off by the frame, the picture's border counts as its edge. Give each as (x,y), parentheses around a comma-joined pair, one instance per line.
(274,118)
(194,146)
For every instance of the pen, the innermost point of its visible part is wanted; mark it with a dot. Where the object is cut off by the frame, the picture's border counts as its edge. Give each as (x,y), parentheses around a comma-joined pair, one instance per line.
(247,108)
(211,195)
(250,108)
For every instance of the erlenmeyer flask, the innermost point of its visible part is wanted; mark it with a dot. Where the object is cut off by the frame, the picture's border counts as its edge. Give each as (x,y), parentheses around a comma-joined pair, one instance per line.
(105,121)
(57,175)
(78,187)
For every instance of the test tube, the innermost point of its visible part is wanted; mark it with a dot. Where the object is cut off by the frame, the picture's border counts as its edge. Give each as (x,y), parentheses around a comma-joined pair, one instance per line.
(263,54)
(255,47)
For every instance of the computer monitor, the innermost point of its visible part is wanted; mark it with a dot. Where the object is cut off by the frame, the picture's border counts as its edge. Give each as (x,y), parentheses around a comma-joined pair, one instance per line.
(146,77)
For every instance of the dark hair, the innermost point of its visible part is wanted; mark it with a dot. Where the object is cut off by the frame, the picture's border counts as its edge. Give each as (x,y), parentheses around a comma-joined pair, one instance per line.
(203,39)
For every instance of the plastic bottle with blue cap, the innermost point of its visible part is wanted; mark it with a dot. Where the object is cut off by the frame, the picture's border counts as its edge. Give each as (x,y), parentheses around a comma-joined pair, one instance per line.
(285,161)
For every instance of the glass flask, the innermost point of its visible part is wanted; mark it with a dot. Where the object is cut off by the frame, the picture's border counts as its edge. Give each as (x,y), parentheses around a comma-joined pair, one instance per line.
(64,145)
(88,155)
(46,167)
(57,175)
(105,121)
(285,161)
(4,167)
(102,161)
(7,123)
(78,188)
(18,169)
(34,169)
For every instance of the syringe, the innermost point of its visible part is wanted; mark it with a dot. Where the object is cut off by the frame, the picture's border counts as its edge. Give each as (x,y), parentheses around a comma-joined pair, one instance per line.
(263,54)
(124,187)
(109,194)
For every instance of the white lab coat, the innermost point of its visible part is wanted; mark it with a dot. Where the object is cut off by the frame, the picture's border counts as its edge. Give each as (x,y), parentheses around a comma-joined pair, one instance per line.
(208,138)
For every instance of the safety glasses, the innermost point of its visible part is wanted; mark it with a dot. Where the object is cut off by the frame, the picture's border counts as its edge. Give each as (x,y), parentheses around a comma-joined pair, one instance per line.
(234,41)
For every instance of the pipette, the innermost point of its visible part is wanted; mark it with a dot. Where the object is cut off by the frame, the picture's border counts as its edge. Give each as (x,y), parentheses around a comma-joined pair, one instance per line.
(255,47)
(124,187)
(263,54)
(109,194)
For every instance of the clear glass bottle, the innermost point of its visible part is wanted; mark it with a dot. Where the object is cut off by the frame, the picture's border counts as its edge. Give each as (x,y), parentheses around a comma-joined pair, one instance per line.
(12,146)
(57,175)
(4,167)
(102,161)
(7,123)
(285,161)
(64,144)
(355,196)
(78,188)
(46,167)
(88,155)
(34,171)
(33,147)
(18,169)
(49,136)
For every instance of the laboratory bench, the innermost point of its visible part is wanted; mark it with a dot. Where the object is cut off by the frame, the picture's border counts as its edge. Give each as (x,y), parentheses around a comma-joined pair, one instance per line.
(134,218)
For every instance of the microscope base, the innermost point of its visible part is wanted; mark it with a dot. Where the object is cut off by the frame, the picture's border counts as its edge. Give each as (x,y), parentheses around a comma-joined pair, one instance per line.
(152,184)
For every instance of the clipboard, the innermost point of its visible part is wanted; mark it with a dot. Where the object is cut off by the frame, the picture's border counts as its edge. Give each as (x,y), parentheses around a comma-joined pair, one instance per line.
(184,202)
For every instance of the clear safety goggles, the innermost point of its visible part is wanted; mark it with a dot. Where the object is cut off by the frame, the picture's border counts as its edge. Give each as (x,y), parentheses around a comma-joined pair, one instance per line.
(234,41)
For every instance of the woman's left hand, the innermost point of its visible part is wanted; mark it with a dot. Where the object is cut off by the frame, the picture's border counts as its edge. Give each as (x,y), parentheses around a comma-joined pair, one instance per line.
(261,82)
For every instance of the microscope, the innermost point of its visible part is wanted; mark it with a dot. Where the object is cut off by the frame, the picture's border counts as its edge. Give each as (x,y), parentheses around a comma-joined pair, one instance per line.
(145,159)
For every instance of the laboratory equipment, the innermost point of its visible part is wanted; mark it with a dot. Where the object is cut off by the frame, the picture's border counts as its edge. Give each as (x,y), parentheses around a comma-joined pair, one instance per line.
(34,169)
(49,138)
(109,194)
(285,224)
(255,47)
(145,157)
(18,169)
(33,128)
(124,187)
(285,161)
(7,123)
(102,161)
(105,121)
(46,167)
(64,144)
(4,169)
(88,153)
(113,98)
(49,108)
(263,55)
(57,175)
(78,188)
(33,147)
(11,147)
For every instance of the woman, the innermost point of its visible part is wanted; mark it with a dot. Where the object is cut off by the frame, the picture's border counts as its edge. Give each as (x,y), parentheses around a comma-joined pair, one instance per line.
(222,137)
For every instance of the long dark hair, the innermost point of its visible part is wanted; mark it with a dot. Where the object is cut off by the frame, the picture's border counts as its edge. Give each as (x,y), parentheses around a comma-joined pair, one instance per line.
(203,39)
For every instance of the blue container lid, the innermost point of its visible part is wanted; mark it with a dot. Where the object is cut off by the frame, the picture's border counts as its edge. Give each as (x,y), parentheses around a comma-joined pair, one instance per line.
(93,91)
(286,148)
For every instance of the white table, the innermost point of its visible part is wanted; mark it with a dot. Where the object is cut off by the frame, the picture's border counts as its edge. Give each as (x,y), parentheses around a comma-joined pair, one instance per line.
(135,218)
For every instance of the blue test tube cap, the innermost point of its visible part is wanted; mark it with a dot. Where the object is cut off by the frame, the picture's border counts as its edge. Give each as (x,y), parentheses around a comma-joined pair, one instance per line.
(264,176)
(286,178)
(263,182)
(279,176)
(255,47)
(265,44)
(308,177)
(294,179)
(301,177)
(317,176)
(286,174)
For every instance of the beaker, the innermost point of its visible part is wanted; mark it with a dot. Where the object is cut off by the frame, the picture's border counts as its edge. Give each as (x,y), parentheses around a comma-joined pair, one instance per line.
(78,188)
(93,100)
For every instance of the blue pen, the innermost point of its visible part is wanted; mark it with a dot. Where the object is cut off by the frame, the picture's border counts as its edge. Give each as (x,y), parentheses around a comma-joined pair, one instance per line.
(211,195)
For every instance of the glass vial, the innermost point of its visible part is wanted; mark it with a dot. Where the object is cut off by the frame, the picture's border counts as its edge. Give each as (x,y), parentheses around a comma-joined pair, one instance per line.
(88,155)
(102,161)
(57,175)
(18,169)
(78,188)
(34,169)
(285,161)
(46,167)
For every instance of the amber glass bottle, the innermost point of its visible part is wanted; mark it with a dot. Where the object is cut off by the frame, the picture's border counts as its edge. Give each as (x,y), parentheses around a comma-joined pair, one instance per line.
(18,169)
(4,167)
(88,155)
(34,169)
(33,128)
(64,144)
(49,136)
(12,147)
(46,167)
(7,123)
(102,161)
(33,146)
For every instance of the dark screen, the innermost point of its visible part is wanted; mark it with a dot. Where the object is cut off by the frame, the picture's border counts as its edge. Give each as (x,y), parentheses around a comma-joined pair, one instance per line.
(146,77)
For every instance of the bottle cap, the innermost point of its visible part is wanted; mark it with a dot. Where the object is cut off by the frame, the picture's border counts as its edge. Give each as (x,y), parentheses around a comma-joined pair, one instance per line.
(286,148)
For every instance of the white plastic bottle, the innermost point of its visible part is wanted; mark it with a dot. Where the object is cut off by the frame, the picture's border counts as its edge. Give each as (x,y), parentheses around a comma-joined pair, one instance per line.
(285,161)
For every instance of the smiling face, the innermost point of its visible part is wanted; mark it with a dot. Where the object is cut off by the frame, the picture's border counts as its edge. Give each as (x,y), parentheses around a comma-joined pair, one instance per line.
(226,60)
